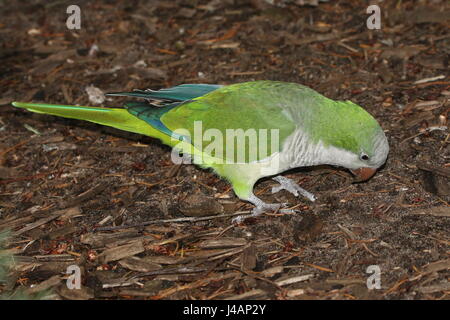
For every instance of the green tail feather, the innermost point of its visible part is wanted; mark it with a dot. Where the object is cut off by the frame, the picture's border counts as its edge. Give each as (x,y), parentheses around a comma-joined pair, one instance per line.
(137,119)
(113,117)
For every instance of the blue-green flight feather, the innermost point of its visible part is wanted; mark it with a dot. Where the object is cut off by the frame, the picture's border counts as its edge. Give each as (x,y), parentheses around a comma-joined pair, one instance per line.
(179,93)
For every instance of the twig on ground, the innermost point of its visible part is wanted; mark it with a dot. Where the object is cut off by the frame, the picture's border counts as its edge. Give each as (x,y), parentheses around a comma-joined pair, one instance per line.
(186,219)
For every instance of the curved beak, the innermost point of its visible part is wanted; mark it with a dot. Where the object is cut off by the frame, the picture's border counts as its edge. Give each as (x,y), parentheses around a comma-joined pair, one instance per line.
(363,174)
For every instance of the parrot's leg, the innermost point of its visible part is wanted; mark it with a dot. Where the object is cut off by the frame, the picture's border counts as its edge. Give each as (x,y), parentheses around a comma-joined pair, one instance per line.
(243,187)
(289,185)
(261,207)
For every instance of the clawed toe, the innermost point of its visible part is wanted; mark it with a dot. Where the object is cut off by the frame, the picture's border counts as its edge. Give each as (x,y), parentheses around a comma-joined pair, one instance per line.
(262,207)
(292,187)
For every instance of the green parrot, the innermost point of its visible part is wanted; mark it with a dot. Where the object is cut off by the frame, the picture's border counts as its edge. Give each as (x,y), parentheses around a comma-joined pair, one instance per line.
(260,129)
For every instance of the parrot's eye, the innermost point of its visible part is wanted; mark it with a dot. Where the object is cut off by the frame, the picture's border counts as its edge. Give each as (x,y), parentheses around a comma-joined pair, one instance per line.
(364,157)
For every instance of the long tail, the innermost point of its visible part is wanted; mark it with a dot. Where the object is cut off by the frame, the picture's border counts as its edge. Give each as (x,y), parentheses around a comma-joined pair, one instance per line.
(113,117)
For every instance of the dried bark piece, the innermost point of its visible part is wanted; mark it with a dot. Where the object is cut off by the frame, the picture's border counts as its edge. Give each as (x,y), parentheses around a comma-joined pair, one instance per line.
(440,211)
(121,252)
(437,266)
(139,264)
(44,285)
(165,259)
(199,206)
(222,243)
(101,239)
(84,293)
(248,258)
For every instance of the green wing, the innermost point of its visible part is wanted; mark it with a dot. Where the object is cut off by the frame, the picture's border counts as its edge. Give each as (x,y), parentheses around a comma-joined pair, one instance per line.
(161,101)
(247,110)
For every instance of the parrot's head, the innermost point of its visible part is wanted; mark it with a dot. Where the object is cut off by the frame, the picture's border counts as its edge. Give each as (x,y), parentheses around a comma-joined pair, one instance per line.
(353,139)
(372,155)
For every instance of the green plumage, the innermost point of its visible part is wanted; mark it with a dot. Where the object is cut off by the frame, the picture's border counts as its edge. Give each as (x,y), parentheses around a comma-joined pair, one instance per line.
(113,117)
(278,105)
(306,123)
(251,105)
(246,106)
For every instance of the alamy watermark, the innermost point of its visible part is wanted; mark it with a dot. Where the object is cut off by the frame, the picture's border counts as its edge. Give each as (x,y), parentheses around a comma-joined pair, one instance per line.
(374,20)
(374,281)
(74,279)
(73,22)
(234,146)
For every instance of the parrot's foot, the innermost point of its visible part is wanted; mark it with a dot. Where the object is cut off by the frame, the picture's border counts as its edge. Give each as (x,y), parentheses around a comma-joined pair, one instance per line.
(261,207)
(289,185)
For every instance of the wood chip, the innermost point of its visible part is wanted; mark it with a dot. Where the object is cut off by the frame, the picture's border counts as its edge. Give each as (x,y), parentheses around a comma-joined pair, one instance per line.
(345,282)
(258,292)
(101,239)
(441,171)
(270,272)
(198,205)
(121,252)
(31,226)
(206,253)
(14,223)
(87,195)
(437,266)
(175,271)
(248,258)
(55,257)
(229,253)
(222,243)
(62,232)
(349,233)
(165,259)
(84,293)
(44,285)
(139,264)
(441,211)
(295,292)
(285,282)
(70,213)
(445,286)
